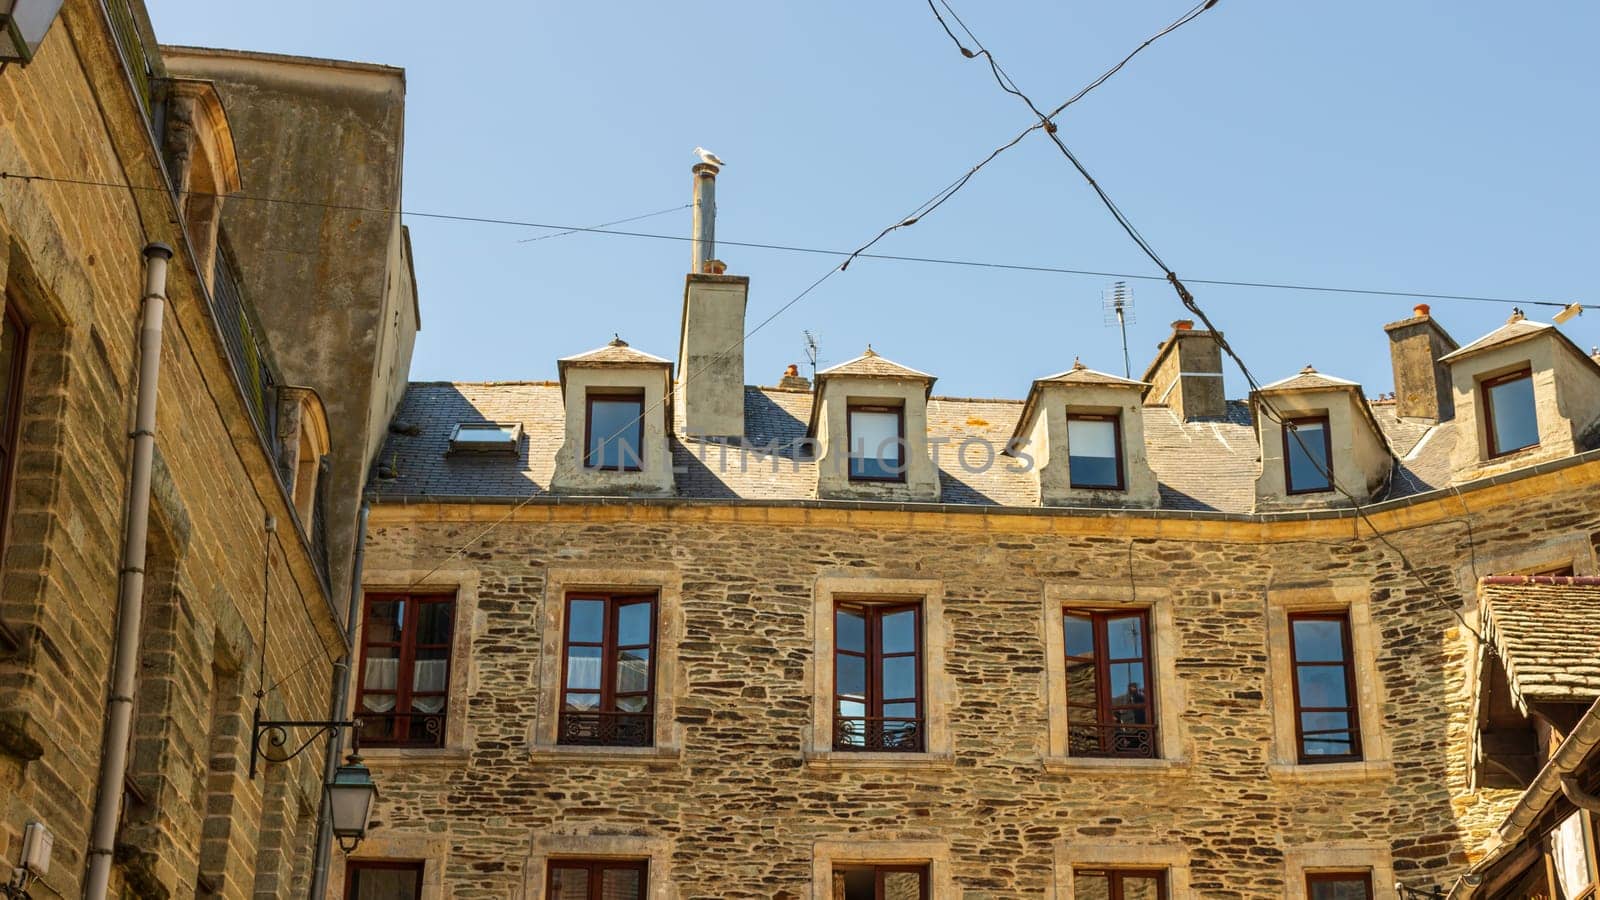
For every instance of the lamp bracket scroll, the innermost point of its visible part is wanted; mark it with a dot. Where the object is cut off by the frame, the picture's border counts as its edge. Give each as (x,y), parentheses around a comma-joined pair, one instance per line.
(270,737)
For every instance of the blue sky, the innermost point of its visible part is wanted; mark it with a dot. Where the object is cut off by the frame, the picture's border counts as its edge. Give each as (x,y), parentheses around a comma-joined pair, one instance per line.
(1412,146)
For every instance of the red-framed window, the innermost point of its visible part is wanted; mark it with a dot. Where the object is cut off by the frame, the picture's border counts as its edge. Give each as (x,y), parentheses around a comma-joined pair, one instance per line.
(1307,455)
(613,430)
(13,369)
(868,882)
(1120,884)
(876,434)
(405,668)
(1094,451)
(1510,419)
(878,676)
(382,879)
(1327,727)
(1110,701)
(1339,886)
(608,672)
(597,879)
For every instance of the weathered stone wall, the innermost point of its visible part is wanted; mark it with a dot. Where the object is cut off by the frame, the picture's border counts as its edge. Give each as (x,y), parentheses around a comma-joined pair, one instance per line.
(741,809)
(70,259)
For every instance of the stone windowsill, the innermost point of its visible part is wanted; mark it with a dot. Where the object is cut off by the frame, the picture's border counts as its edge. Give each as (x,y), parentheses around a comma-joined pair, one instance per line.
(1113,766)
(564,753)
(413,757)
(849,759)
(1313,773)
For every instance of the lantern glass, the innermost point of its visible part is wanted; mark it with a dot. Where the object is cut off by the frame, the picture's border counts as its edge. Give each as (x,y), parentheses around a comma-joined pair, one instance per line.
(23,24)
(351,795)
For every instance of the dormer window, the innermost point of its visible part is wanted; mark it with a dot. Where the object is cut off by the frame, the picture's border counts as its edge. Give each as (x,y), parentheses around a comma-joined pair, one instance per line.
(614,431)
(1094,450)
(485,437)
(869,428)
(1307,455)
(877,442)
(1508,409)
(618,412)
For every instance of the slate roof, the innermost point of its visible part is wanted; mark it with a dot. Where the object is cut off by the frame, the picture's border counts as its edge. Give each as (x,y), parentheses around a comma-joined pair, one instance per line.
(1546,630)
(1202,466)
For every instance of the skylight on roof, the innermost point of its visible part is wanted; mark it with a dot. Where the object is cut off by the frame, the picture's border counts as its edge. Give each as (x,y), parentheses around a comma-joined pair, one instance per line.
(485,437)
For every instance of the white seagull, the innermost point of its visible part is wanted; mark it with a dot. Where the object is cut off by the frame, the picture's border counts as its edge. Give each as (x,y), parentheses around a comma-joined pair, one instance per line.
(706,156)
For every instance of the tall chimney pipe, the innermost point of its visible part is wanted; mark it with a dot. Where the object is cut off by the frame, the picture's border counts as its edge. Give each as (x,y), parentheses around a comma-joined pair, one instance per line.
(705,216)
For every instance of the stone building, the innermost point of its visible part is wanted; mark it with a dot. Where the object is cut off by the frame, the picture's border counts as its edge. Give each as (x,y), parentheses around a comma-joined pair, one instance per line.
(276,379)
(648,631)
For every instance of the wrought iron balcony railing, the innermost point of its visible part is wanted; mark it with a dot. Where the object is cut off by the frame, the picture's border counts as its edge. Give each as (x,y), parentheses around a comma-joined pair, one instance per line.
(1125,740)
(885,734)
(398,729)
(604,729)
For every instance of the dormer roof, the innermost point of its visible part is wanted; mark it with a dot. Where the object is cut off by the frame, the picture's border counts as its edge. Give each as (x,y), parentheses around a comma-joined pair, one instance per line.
(1078,375)
(871,365)
(1309,379)
(1082,374)
(616,354)
(1515,330)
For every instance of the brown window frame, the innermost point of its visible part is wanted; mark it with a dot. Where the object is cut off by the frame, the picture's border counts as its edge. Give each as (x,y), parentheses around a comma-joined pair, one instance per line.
(1495,450)
(1288,426)
(1116,436)
(11,414)
(1138,740)
(354,866)
(597,869)
(1364,876)
(613,395)
(402,718)
(875,740)
(611,727)
(880,873)
(1115,877)
(900,464)
(1353,709)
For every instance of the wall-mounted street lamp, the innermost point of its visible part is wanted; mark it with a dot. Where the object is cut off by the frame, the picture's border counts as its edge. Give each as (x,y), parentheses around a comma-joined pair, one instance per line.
(1433,892)
(22,27)
(351,792)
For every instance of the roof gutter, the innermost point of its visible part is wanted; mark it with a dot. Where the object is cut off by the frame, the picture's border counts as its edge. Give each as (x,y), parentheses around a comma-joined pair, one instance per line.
(1556,778)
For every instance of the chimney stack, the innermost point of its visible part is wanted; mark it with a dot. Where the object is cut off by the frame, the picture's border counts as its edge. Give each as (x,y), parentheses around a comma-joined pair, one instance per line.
(1186,374)
(705,216)
(710,389)
(1422,387)
(793,380)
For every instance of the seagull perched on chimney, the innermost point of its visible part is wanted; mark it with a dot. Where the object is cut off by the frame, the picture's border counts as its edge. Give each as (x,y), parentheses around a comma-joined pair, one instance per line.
(706,156)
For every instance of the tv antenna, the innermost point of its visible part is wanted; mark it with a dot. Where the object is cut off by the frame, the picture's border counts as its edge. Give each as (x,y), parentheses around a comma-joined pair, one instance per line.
(812,350)
(1118,303)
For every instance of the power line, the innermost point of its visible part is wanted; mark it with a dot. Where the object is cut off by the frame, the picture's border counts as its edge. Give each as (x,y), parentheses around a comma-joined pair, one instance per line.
(821,251)
(1187,298)
(648,215)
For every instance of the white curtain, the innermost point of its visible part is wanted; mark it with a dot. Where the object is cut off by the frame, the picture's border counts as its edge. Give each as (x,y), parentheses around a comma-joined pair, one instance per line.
(382,674)
(583,673)
(1571,855)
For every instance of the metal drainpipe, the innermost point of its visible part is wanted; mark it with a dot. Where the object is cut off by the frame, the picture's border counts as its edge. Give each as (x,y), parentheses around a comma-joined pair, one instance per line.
(336,712)
(130,602)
